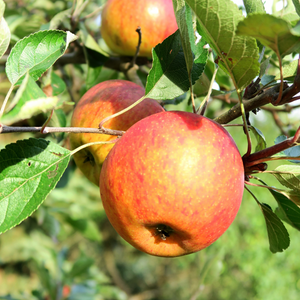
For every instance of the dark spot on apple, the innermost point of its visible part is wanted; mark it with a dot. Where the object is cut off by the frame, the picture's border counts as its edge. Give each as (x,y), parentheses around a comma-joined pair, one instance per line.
(117,40)
(163,231)
(89,158)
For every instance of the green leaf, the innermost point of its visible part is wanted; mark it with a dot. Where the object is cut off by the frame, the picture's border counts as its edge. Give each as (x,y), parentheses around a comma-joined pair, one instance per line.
(288,12)
(260,139)
(30,101)
(293,196)
(289,70)
(92,76)
(36,53)
(271,31)
(278,236)
(293,151)
(49,223)
(289,209)
(14,21)
(297,6)
(46,280)
(80,266)
(57,84)
(253,6)
(29,170)
(184,22)
(183,15)
(236,55)
(87,227)
(289,176)
(201,57)
(90,43)
(168,77)
(4,31)
(2,8)
(263,66)
(223,80)
(267,79)
(58,119)
(60,18)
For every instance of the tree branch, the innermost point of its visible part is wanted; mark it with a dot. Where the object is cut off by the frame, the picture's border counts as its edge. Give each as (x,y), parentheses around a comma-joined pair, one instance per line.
(269,96)
(287,108)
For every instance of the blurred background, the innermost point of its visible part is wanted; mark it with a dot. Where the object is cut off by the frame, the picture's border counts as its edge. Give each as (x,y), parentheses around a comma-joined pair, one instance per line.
(68,250)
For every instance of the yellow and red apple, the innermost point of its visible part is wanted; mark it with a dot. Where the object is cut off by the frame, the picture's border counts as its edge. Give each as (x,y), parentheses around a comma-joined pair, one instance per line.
(173,183)
(101,101)
(121,18)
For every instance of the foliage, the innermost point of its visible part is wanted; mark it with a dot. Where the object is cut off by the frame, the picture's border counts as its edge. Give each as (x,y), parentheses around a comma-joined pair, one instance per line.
(243,69)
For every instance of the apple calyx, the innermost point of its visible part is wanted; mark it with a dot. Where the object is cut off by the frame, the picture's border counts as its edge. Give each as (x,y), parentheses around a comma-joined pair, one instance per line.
(164,231)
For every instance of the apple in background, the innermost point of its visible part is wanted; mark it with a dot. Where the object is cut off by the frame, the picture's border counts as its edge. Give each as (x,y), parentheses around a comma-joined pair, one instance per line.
(121,18)
(101,101)
(173,183)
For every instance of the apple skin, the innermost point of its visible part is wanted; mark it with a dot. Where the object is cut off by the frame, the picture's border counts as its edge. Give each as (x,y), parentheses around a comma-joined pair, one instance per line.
(173,183)
(101,101)
(120,19)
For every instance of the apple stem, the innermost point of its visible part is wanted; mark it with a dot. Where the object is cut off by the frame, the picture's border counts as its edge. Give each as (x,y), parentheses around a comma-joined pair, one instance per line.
(130,68)
(139,32)
(277,102)
(250,192)
(120,113)
(265,154)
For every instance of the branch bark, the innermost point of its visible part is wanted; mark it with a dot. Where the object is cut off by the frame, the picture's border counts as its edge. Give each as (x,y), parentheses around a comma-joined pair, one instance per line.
(269,96)
(10,129)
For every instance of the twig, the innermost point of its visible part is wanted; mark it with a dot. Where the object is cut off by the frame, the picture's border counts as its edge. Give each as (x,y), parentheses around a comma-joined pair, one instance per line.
(279,123)
(92,14)
(278,100)
(250,192)
(273,158)
(265,154)
(10,129)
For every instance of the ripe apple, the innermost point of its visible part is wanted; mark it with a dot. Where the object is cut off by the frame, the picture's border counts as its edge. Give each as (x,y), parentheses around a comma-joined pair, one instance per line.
(102,100)
(173,183)
(121,18)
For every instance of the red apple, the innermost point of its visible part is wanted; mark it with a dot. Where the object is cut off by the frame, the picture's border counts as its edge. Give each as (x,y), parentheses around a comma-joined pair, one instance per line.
(173,183)
(101,101)
(121,18)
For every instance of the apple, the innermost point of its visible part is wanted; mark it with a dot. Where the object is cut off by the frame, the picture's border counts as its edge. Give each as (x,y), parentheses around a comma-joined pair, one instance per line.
(121,18)
(101,101)
(173,183)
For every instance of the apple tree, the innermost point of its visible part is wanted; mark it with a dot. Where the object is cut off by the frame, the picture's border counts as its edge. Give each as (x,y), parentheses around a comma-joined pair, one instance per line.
(233,65)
